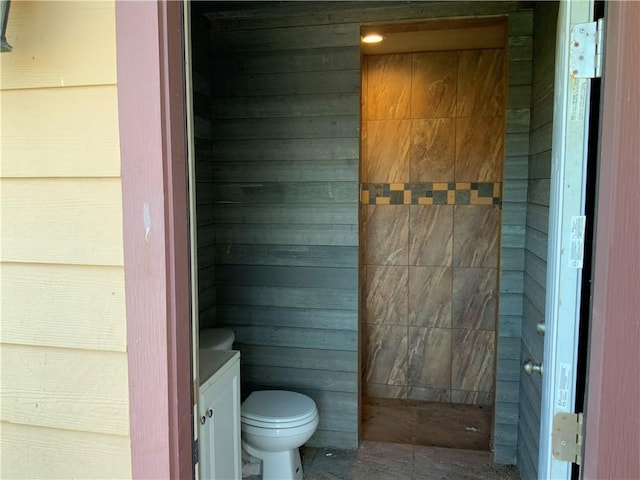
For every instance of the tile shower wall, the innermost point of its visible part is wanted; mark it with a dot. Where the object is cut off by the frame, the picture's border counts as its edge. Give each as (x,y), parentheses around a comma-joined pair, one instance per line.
(432,162)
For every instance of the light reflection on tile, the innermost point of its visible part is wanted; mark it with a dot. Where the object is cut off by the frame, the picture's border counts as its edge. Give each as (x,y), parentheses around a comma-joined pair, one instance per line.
(474,298)
(429,357)
(479,149)
(386,354)
(433,149)
(431,235)
(480,83)
(387,294)
(476,235)
(433,92)
(430,296)
(472,360)
(389,86)
(387,146)
(387,235)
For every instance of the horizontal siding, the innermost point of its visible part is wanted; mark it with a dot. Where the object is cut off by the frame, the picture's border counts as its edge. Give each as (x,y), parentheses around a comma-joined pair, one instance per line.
(310,149)
(75,306)
(505,421)
(71,221)
(52,131)
(37,452)
(78,390)
(284,39)
(59,44)
(545,14)
(288,14)
(204,173)
(65,401)
(280,200)
(296,61)
(286,171)
(277,106)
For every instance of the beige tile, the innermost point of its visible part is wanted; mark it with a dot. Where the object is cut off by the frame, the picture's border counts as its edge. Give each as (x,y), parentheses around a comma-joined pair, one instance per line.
(430,296)
(388,87)
(387,150)
(479,149)
(442,395)
(387,235)
(431,235)
(480,83)
(472,398)
(472,366)
(377,390)
(386,355)
(430,357)
(475,295)
(387,299)
(476,235)
(433,85)
(433,149)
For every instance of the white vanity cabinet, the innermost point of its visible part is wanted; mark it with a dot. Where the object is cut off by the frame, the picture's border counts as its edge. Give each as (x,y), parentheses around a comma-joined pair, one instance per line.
(219,454)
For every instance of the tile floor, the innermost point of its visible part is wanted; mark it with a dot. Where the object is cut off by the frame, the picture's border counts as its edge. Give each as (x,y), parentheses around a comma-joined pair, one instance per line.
(404,440)
(426,423)
(390,461)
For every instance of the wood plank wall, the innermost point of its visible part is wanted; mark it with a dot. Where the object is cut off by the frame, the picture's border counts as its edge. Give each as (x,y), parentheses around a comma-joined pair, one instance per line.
(505,421)
(203,154)
(544,38)
(65,405)
(286,133)
(283,199)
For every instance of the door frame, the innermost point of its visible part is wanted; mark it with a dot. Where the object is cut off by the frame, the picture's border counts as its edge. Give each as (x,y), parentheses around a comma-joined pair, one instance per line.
(565,249)
(151,113)
(611,439)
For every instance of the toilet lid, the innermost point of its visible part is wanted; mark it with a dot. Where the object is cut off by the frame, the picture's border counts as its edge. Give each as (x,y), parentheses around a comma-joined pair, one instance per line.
(278,406)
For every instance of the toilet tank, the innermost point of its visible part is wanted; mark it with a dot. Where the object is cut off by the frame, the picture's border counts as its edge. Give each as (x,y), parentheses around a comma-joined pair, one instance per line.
(216,339)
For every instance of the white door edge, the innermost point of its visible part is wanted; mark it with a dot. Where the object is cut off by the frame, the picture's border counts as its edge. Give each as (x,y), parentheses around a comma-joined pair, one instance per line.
(566,210)
(193,238)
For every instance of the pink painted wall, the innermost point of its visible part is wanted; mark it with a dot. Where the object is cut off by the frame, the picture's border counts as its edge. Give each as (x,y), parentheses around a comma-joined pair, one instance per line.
(612,444)
(152,141)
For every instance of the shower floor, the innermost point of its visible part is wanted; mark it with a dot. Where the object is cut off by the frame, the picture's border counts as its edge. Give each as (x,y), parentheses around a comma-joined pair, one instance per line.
(466,427)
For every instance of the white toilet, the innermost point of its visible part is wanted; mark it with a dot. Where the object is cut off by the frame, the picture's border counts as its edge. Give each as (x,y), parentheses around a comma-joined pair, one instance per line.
(274,424)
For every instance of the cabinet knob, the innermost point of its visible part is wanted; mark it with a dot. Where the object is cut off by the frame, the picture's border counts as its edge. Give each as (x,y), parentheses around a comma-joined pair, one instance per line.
(210,413)
(203,419)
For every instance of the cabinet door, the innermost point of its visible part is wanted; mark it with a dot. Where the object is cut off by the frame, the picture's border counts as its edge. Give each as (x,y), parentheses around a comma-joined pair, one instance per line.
(220,456)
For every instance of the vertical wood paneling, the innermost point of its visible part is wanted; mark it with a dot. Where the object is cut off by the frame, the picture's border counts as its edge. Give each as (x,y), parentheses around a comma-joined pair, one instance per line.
(545,14)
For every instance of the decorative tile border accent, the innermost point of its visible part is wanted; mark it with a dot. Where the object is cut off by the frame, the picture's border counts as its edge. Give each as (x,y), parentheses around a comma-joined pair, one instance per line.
(431,193)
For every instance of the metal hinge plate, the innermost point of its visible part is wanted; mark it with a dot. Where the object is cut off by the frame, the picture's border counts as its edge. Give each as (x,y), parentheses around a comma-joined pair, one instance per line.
(566,439)
(585,51)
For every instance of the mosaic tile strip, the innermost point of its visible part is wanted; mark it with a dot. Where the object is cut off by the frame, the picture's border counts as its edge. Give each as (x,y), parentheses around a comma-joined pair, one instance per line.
(431,193)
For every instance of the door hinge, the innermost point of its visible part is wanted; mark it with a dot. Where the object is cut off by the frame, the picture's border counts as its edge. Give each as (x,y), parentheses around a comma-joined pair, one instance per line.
(585,51)
(566,439)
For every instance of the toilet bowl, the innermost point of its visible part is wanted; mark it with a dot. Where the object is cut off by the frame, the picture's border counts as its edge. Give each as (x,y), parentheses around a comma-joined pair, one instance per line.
(216,339)
(274,424)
